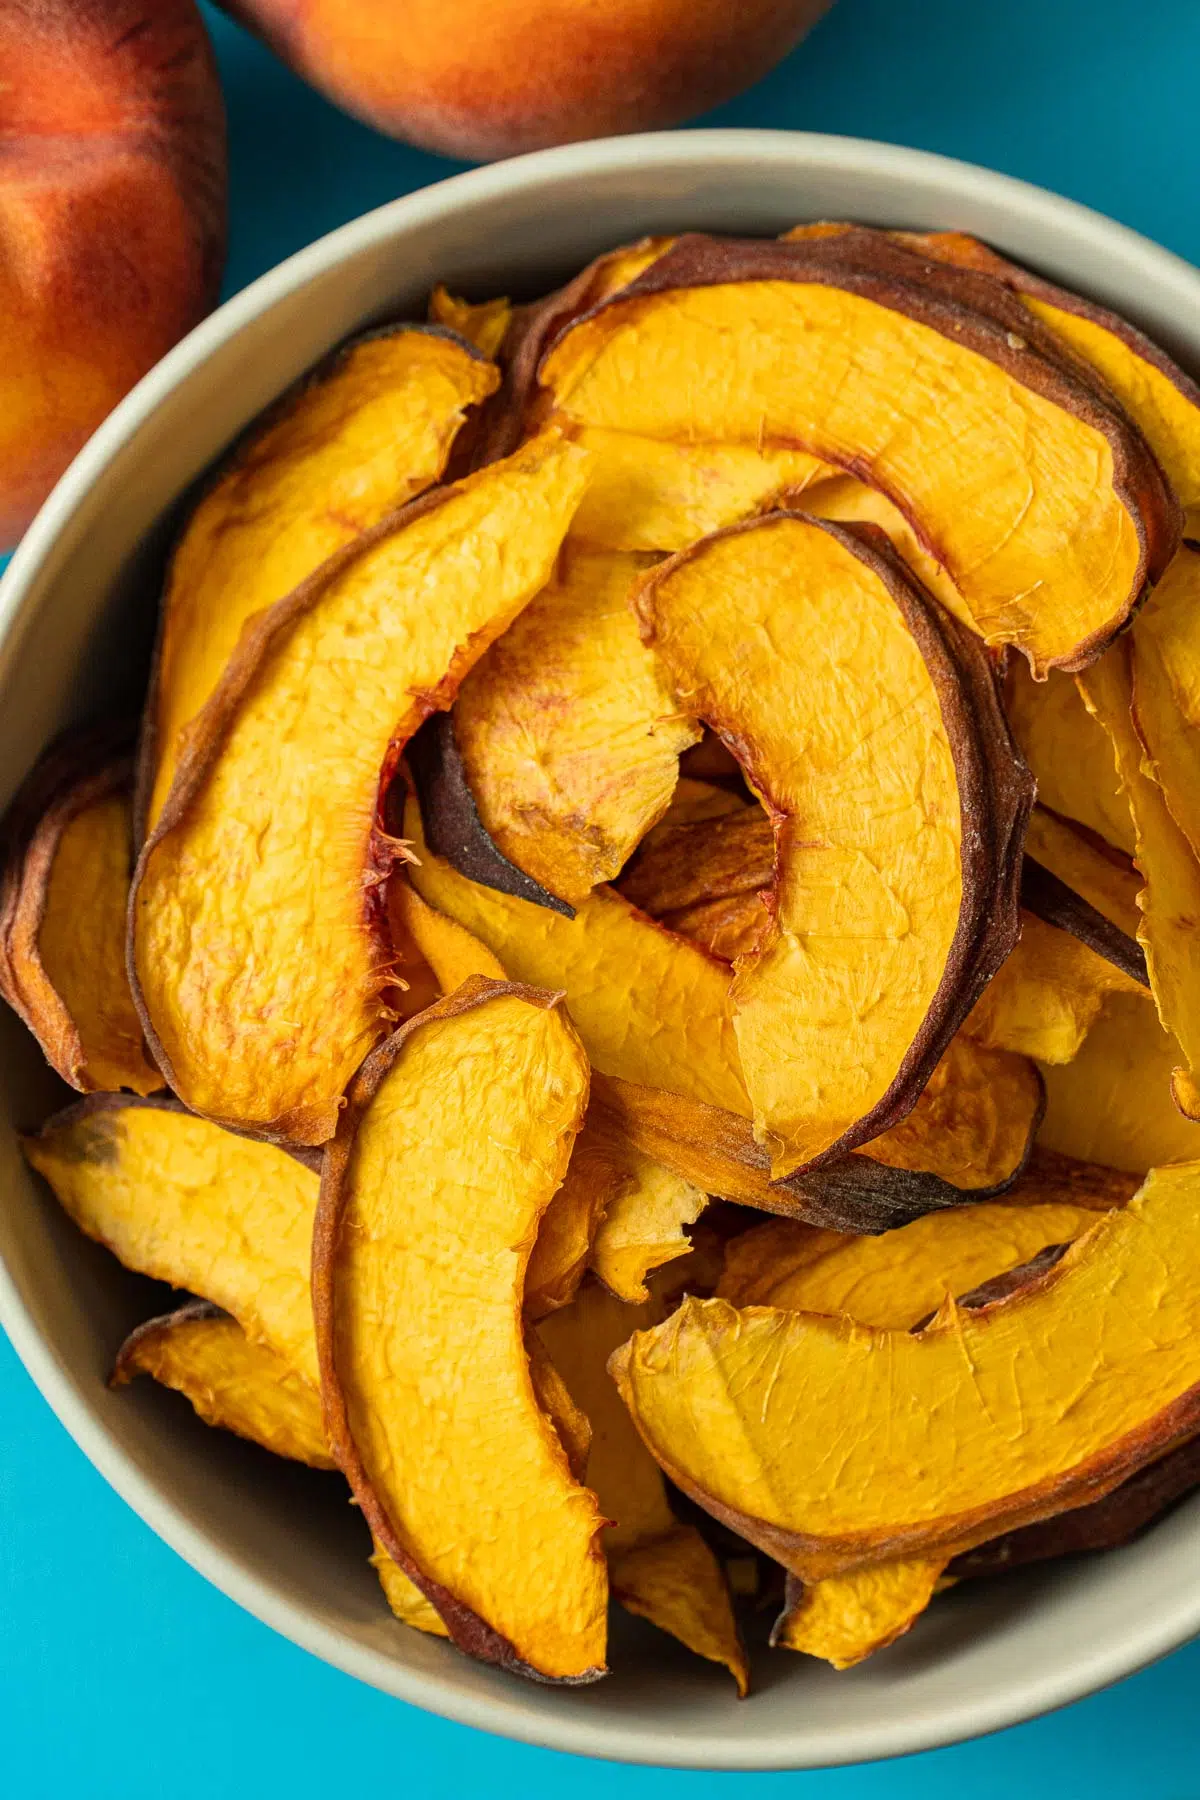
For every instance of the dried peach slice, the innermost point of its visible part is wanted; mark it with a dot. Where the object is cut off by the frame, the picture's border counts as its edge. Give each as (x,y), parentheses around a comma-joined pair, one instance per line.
(178,1198)
(64,886)
(568,733)
(591,1186)
(256,943)
(847,1618)
(1021,475)
(984,1422)
(644,1225)
(1170,898)
(1066,748)
(456,1135)
(659,1567)
(969,1136)
(1045,999)
(895,1281)
(1104,877)
(235,1382)
(1165,658)
(365,432)
(649,494)
(484,323)
(511,413)
(1155,392)
(1112,1103)
(868,724)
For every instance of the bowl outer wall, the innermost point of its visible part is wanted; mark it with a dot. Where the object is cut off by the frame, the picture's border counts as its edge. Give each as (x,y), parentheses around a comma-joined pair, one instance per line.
(73,631)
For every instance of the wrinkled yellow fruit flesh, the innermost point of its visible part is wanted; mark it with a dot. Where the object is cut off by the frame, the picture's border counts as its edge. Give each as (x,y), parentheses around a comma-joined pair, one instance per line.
(649,494)
(1169,420)
(861,777)
(568,1227)
(255,950)
(852,502)
(1070,757)
(848,1617)
(1165,660)
(1045,999)
(1054,1396)
(453,1164)
(1113,1103)
(233,1382)
(659,1569)
(1170,897)
(1104,877)
(482,322)
(366,437)
(1029,528)
(450,950)
(81,944)
(177,1198)
(569,735)
(971,1123)
(676,1583)
(644,1225)
(893,1281)
(404,1597)
(649,1006)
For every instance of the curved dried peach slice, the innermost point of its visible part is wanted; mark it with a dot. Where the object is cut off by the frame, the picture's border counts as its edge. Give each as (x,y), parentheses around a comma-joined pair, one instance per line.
(484,323)
(847,1618)
(64,886)
(1066,749)
(1045,999)
(968,1137)
(869,726)
(1022,476)
(895,1281)
(1112,1103)
(177,1198)
(456,1135)
(983,1422)
(368,430)
(568,733)
(1165,657)
(1105,878)
(233,1381)
(646,493)
(1170,899)
(256,943)
(1155,392)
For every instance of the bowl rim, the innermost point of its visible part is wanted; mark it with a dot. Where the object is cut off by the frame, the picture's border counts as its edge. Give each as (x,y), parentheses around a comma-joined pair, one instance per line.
(965,1716)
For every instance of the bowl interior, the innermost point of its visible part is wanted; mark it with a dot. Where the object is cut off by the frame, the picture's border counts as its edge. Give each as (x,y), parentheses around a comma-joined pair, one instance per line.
(77,609)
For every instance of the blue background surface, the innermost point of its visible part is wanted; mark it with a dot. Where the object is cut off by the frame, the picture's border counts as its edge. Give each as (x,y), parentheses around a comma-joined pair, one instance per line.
(123,1676)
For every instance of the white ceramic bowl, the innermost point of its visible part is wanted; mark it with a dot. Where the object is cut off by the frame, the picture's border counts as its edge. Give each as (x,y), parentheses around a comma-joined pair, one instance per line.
(75,616)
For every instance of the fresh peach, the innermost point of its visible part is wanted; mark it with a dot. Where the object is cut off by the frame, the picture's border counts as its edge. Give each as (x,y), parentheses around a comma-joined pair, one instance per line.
(112,217)
(488,78)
